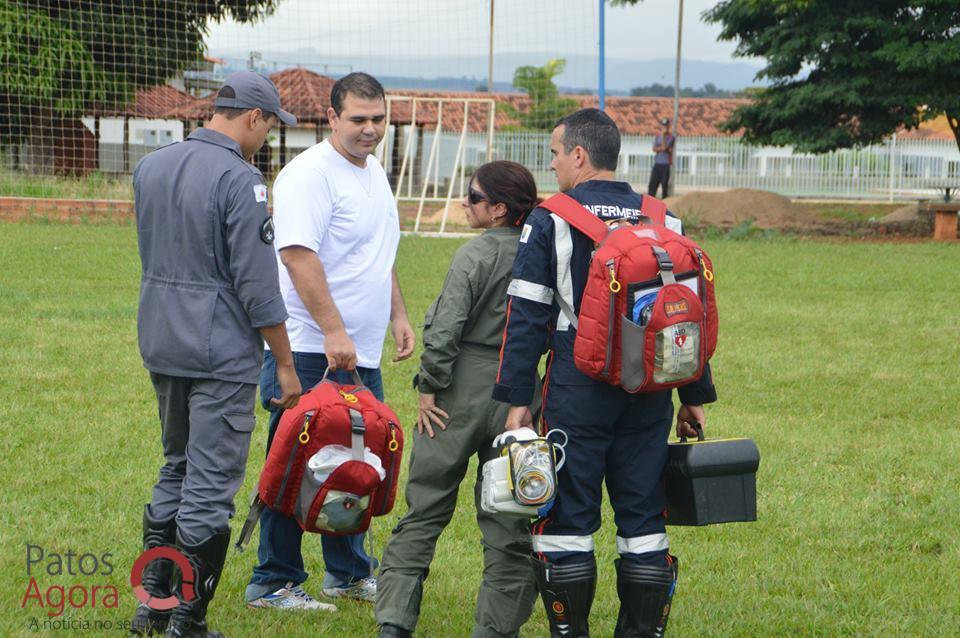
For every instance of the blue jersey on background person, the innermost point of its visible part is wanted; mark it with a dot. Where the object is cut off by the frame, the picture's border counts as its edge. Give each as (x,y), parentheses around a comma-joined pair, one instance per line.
(614,437)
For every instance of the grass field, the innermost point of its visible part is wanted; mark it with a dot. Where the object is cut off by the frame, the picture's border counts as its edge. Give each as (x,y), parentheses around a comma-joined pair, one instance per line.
(839,359)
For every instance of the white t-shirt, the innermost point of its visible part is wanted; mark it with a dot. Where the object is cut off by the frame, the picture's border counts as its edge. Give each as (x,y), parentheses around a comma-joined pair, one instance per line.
(346,215)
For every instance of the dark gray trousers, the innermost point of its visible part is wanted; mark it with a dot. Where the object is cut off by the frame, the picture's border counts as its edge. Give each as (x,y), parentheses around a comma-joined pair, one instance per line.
(659,176)
(206,425)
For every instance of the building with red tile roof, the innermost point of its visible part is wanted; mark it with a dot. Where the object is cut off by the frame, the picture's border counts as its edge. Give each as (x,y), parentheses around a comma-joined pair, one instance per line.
(306,94)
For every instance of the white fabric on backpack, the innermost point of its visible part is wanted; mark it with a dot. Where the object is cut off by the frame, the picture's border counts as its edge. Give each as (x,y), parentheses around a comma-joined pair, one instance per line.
(330,457)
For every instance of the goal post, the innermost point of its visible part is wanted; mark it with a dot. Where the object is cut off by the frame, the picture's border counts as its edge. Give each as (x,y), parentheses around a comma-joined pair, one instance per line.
(460,131)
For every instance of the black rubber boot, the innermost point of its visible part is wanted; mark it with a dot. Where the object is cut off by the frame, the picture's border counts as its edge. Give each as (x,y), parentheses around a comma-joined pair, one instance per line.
(157,575)
(567,590)
(392,631)
(645,593)
(189,618)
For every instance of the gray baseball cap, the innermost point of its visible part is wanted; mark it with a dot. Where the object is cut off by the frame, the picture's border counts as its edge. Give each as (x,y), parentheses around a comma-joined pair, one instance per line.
(250,90)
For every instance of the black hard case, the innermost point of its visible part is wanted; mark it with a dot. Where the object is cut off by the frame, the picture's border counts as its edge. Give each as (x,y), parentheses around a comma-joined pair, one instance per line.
(711,481)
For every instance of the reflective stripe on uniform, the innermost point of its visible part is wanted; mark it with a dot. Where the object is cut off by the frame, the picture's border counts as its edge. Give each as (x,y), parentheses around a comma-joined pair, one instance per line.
(546,543)
(642,544)
(530,291)
(564,248)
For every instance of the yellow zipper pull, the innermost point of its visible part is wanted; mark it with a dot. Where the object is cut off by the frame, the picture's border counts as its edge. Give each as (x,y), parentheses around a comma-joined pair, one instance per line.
(304,437)
(707,273)
(614,284)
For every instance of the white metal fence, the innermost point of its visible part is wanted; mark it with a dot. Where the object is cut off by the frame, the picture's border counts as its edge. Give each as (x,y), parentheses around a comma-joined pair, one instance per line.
(898,169)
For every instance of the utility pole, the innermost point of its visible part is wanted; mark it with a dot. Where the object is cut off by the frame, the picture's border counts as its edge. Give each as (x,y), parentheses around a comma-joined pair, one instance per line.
(676,75)
(602,81)
(490,54)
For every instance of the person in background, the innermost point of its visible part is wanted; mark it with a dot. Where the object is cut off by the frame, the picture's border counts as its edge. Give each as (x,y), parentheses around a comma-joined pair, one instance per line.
(663,145)
(458,419)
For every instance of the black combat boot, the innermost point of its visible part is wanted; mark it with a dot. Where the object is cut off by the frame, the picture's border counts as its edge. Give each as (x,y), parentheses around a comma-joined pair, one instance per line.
(393,631)
(567,590)
(645,593)
(157,575)
(189,618)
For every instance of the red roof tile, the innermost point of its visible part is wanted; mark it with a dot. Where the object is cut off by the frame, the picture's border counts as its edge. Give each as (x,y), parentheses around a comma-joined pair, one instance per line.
(154,102)
(302,92)
(159,99)
(634,115)
(306,94)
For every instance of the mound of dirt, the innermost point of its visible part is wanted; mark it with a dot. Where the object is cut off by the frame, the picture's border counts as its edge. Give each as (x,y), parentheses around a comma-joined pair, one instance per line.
(729,208)
(456,216)
(722,209)
(904,214)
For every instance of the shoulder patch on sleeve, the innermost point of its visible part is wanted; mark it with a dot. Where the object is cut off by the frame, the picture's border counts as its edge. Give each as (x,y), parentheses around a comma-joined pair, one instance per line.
(525,233)
(266,231)
(260,192)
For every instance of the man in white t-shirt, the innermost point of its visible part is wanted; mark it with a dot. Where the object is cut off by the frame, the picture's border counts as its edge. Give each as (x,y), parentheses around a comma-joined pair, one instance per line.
(336,233)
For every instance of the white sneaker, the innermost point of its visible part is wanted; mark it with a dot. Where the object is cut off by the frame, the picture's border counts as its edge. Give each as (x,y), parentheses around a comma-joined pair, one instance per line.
(290,598)
(364,589)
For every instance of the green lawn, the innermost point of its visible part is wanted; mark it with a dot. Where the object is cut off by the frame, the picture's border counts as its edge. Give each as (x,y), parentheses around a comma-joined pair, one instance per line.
(93,186)
(840,360)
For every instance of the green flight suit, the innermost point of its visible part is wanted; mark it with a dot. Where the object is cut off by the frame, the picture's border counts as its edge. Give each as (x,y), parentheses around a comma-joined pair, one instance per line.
(462,333)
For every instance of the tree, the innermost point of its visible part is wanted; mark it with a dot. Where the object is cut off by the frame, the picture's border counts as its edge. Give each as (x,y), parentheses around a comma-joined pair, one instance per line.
(844,73)
(61,59)
(546,105)
(653,90)
(666,90)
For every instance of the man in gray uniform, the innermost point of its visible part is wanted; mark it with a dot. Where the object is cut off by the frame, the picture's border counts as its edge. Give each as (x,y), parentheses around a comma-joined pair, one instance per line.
(208,298)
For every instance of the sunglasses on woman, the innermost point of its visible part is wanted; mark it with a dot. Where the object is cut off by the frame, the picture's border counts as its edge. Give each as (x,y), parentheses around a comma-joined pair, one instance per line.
(475,196)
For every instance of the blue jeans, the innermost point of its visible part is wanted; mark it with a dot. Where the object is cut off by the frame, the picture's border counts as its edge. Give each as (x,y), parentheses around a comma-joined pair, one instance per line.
(281,560)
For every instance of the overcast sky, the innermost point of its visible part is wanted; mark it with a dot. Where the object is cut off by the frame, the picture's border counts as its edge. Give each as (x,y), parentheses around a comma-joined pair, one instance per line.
(437,28)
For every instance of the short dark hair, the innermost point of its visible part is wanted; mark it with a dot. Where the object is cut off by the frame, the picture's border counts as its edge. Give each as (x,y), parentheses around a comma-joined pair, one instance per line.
(232,113)
(509,183)
(360,84)
(596,132)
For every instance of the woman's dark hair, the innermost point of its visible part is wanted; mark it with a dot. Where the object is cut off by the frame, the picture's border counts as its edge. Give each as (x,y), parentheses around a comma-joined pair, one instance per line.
(511,184)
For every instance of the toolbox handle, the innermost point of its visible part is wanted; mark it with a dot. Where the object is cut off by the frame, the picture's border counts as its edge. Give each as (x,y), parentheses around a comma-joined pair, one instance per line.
(698,428)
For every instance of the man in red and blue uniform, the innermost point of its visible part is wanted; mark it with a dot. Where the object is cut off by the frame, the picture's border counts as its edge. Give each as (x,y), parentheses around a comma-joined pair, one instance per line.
(614,436)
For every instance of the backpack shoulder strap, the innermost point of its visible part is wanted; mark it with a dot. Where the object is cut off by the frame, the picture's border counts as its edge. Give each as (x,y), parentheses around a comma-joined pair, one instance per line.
(573,212)
(655,209)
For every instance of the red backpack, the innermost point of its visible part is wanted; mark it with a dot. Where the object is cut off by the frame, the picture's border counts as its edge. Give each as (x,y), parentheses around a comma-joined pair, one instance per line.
(335,422)
(648,316)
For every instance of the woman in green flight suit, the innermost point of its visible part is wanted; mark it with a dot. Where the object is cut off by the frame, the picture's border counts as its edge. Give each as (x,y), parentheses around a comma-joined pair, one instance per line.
(457,419)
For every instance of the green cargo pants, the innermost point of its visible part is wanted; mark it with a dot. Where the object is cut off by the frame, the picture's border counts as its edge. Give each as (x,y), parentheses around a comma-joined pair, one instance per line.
(437,466)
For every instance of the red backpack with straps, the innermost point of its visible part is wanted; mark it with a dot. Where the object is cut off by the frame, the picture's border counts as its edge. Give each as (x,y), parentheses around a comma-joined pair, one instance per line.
(320,468)
(648,315)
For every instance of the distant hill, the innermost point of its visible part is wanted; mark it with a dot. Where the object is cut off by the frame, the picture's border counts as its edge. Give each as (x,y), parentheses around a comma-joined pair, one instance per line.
(466,73)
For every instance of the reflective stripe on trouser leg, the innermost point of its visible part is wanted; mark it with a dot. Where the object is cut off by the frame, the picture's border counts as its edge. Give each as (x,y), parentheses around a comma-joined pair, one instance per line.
(545,543)
(642,544)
